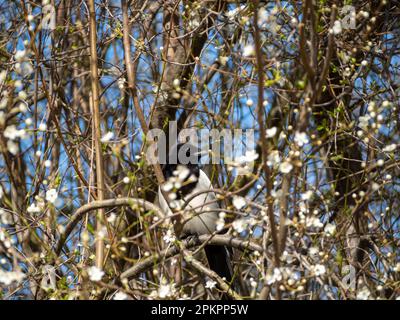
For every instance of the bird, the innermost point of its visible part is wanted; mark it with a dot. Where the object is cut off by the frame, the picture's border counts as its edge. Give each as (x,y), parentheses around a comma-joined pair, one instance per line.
(184,181)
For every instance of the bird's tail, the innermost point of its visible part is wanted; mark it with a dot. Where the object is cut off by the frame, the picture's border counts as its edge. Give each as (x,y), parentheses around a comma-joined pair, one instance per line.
(220,262)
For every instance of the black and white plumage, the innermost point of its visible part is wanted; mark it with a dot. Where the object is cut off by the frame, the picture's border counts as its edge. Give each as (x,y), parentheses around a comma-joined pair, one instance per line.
(187,180)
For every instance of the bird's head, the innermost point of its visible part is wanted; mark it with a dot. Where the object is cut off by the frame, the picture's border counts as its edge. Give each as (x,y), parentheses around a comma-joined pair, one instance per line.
(182,168)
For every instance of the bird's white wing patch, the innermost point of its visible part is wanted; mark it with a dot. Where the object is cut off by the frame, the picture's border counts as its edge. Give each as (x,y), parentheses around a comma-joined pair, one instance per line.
(204,208)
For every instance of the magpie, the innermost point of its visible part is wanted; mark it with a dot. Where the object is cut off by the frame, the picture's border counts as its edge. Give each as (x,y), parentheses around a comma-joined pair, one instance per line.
(183,181)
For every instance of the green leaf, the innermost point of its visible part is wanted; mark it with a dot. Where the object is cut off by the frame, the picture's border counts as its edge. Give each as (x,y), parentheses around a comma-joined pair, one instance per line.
(90,228)
(337,157)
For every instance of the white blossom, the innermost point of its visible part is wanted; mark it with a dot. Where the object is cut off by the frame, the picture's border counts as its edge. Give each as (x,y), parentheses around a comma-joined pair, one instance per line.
(175,204)
(5,217)
(51,195)
(42,127)
(363,294)
(169,237)
(126,180)
(262,16)
(271,132)
(22,107)
(220,224)
(175,181)
(112,217)
(165,291)
(313,222)
(101,234)
(168,186)
(250,156)
(11,132)
(232,13)
(365,14)
(20,55)
(107,137)
(121,83)
(22,95)
(95,274)
(273,158)
(285,167)
(274,277)
(223,60)
(319,269)
(238,202)
(243,163)
(210,284)
(380,162)
(306,195)
(253,283)
(301,138)
(248,51)
(390,148)
(239,225)
(194,23)
(375,186)
(337,27)
(294,21)
(33,208)
(25,69)
(47,163)
(176,83)
(120,296)
(330,229)
(249,102)
(181,173)
(364,121)
(12,147)
(18,83)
